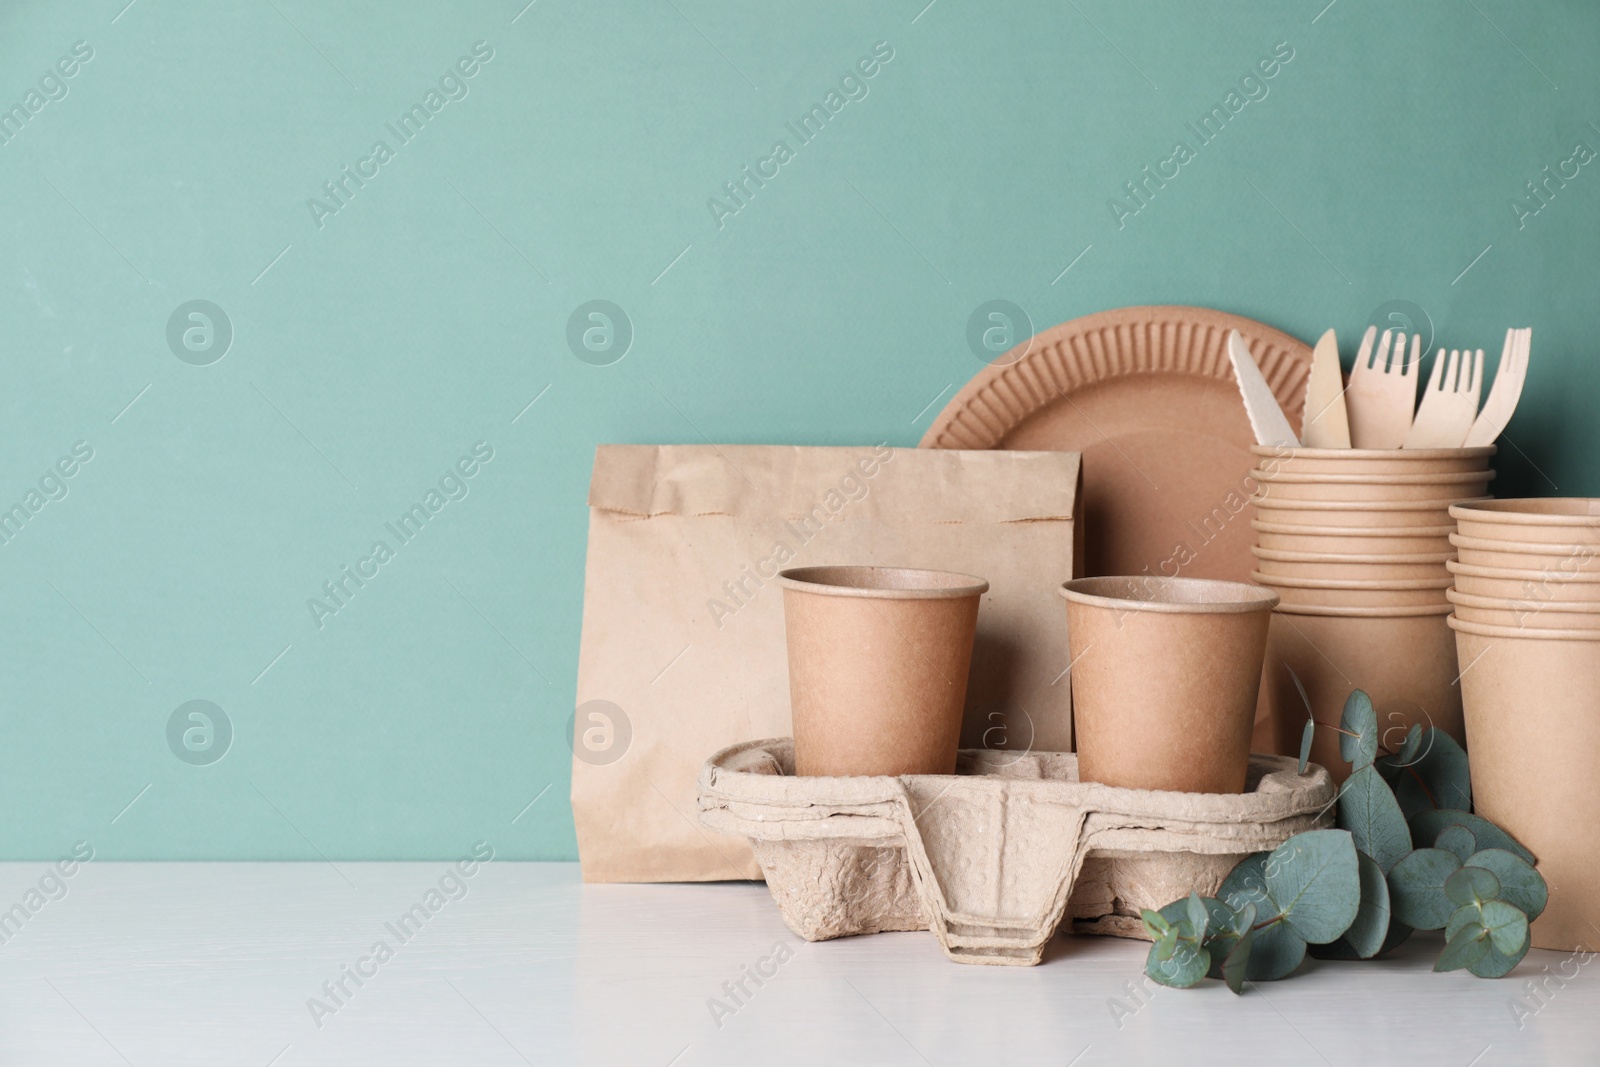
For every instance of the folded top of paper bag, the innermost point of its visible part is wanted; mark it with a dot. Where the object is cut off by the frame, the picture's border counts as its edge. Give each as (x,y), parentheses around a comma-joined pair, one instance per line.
(794,481)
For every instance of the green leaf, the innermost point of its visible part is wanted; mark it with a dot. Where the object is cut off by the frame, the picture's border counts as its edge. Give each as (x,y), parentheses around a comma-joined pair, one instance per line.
(1199,919)
(1459,840)
(1155,924)
(1305,743)
(1360,719)
(1437,776)
(1426,826)
(1371,926)
(1166,945)
(1275,952)
(1416,888)
(1411,746)
(1226,928)
(1182,969)
(1466,913)
(1507,925)
(1520,884)
(1236,966)
(1314,878)
(1496,964)
(1471,885)
(1367,809)
(1247,883)
(1463,950)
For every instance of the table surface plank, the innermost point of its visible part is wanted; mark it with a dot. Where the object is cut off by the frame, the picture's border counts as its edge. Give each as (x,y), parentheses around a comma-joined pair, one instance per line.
(225,963)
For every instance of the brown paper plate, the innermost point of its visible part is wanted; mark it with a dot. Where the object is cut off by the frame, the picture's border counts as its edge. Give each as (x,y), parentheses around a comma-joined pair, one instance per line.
(1148,395)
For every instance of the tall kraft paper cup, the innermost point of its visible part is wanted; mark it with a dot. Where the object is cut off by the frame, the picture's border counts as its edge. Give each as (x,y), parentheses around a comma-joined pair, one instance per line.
(878,660)
(1165,674)
(1530,715)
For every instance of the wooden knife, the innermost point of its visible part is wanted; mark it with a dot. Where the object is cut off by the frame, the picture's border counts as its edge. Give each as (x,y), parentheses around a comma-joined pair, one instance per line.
(1266,416)
(1326,422)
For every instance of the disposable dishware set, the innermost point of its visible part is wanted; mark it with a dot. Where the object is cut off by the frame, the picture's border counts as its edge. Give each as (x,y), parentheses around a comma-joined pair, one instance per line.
(916,792)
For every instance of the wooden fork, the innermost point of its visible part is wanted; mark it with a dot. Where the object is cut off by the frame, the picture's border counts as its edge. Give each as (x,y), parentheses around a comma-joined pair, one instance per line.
(1383,392)
(1507,389)
(1450,403)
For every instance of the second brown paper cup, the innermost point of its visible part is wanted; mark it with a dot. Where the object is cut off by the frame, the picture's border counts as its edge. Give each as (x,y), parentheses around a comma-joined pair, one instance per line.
(1165,674)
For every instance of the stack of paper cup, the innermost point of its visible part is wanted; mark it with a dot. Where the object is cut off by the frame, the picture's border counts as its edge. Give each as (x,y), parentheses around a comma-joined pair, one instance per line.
(1527,623)
(1356,544)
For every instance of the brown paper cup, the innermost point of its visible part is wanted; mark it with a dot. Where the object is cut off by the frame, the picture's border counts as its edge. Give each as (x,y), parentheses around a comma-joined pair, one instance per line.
(1554,520)
(1530,714)
(1527,555)
(1558,584)
(1402,592)
(1372,460)
(878,660)
(1386,612)
(1276,562)
(1524,614)
(1165,674)
(1436,488)
(1354,539)
(1387,514)
(1407,664)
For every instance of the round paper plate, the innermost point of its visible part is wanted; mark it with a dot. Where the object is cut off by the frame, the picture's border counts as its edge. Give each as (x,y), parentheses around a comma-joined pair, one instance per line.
(1148,396)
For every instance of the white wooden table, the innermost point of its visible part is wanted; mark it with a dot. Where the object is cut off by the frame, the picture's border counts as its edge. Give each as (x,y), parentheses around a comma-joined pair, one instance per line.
(179,963)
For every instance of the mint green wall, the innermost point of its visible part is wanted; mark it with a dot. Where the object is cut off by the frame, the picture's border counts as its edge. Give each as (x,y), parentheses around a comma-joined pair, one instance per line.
(374,346)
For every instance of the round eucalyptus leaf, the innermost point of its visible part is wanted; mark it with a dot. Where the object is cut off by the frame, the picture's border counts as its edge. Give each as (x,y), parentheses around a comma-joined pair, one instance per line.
(1426,826)
(1371,926)
(1436,777)
(1463,950)
(1182,969)
(1247,883)
(1155,924)
(1459,840)
(1361,719)
(1520,885)
(1466,913)
(1367,808)
(1275,952)
(1507,925)
(1471,885)
(1305,743)
(1416,888)
(1314,878)
(1497,964)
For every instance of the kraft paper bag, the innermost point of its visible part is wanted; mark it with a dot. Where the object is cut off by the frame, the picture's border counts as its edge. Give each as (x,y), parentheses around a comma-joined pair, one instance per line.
(683,650)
